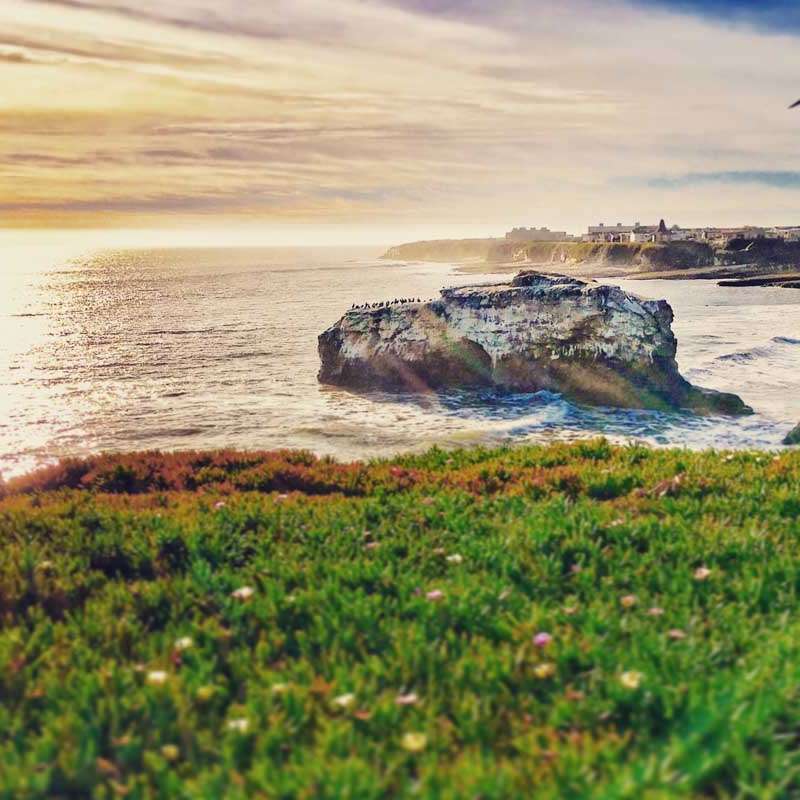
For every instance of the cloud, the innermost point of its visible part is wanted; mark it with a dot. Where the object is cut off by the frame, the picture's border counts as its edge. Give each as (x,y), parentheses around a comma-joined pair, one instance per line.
(452,110)
(775,179)
(11,56)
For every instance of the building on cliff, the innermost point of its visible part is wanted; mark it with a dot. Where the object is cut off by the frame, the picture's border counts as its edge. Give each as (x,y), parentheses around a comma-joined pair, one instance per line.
(610,233)
(537,235)
(788,234)
(633,234)
(722,237)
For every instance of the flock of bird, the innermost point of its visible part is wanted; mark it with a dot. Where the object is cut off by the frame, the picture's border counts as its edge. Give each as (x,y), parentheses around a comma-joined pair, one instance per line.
(396,302)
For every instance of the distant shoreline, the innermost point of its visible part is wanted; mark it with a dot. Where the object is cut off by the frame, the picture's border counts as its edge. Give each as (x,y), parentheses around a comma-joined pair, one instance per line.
(759,263)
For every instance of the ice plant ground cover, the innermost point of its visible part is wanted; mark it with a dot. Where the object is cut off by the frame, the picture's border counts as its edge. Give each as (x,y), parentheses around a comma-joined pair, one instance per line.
(620,623)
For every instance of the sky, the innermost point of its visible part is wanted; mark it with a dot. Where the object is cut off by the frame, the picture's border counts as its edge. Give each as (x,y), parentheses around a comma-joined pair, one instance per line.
(380,117)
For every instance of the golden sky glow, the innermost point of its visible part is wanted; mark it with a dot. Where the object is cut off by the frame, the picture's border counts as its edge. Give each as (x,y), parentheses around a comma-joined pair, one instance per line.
(133,113)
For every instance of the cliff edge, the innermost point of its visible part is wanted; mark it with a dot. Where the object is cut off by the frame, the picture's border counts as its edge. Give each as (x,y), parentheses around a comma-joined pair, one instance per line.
(691,259)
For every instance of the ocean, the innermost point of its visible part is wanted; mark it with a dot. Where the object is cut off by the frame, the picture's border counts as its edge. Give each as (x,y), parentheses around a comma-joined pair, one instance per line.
(208,348)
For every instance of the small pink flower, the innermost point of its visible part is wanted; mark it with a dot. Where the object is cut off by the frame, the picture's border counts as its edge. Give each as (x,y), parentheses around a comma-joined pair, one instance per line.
(676,634)
(220,504)
(542,639)
(371,546)
(629,601)
(435,596)
(655,611)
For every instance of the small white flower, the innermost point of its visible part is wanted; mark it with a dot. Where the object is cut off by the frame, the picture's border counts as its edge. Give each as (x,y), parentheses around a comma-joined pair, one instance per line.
(244,593)
(410,699)
(702,574)
(456,558)
(414,742)
(631,680)
(240,725)
(344,700)
(184,643)
(157,677)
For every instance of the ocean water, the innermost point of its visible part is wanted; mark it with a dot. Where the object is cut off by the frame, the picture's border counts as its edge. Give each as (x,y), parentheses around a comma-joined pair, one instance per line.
(184,349)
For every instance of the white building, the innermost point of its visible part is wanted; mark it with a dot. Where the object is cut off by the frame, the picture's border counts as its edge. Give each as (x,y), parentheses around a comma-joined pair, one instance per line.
(610,233)
(645,234)
(635,234)
(788,234)
(537,235)
(723,236)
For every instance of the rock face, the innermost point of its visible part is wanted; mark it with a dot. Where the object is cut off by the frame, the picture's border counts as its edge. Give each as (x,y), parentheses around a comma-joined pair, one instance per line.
(592,343)
(793,437)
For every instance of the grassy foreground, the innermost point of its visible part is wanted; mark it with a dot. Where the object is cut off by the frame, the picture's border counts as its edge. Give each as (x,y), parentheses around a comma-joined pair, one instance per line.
(554,622)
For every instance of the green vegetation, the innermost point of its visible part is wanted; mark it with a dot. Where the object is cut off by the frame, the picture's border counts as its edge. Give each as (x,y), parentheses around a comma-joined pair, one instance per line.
(273,626)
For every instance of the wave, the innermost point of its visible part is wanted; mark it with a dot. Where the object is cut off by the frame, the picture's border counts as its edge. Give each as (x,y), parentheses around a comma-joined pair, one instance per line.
(761,352)
(746,355)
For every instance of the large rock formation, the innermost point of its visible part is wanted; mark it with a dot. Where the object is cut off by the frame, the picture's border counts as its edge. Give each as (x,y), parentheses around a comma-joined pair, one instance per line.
(592,343)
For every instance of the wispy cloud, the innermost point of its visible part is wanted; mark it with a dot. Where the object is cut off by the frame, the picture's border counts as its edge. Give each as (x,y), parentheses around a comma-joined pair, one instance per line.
(776,180)
(436,110)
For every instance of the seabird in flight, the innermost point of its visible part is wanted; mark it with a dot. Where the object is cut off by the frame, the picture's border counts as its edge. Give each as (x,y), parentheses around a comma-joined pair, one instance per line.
(795,105)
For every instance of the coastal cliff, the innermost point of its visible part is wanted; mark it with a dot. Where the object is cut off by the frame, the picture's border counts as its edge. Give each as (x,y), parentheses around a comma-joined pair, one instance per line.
(639,257)
(691,259)
(444,250)
(642,257)
(592,343)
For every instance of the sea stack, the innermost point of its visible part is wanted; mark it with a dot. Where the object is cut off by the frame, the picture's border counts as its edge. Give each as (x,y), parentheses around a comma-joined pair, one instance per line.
(591,343)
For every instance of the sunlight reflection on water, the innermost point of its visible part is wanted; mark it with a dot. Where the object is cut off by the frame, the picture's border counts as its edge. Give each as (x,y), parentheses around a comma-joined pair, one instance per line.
(181,349)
